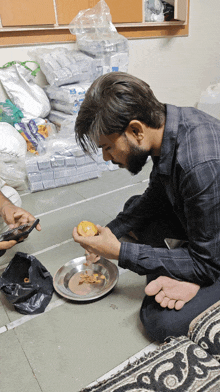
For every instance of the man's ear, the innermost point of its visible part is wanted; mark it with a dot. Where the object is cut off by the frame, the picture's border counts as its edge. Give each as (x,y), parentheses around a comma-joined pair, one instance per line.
(135,130)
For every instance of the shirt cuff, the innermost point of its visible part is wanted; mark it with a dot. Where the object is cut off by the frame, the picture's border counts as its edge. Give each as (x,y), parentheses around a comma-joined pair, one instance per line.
(128,257)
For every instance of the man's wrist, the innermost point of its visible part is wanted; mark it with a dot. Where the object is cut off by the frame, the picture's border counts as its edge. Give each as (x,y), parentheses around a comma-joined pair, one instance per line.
(118,251)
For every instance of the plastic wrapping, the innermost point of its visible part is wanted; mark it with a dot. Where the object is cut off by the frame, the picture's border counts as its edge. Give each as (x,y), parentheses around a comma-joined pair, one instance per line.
(62,66)
(18,82)
(57,117)
(67,127)
(64,163)
(97,36)
(14,173)
(69,93)
(12,145)
(35,132)
(154,11)
(27,284)
(210,101)
(13,151)
(68,108)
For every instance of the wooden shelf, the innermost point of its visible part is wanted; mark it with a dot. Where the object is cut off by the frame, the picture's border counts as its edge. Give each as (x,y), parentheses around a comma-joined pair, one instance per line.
(55,33)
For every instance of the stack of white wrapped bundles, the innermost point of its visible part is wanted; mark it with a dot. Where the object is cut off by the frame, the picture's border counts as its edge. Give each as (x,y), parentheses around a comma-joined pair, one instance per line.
(64,163)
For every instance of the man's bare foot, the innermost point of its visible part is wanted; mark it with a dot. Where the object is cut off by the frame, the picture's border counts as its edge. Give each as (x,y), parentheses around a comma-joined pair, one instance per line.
(171,293)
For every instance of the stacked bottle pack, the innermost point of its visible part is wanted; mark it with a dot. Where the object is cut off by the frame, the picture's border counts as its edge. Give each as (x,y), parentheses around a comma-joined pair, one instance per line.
(58,169)
(63,166)
(65,102)
(71,72)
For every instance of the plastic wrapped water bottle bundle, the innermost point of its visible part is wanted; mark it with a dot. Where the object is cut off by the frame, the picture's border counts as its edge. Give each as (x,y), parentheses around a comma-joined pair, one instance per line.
(64,163)
(62,66)
(65,102)
(57,118)
(69,93)
(97,36)
(210,100)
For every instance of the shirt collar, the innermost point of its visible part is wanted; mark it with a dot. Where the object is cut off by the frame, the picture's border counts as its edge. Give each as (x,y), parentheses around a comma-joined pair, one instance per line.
(169,140)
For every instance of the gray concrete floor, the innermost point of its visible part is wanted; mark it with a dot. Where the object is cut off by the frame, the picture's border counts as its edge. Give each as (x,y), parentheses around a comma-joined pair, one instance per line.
(72,344)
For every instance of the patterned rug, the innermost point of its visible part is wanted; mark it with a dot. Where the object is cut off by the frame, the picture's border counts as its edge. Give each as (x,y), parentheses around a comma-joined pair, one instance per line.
(205,330)
(179,365)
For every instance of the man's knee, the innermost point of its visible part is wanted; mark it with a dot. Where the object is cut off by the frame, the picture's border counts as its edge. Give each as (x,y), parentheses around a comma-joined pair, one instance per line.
(159,329)
(160,323)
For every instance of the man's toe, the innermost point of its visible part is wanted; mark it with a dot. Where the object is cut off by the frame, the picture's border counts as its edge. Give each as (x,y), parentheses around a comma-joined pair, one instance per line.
(153,287)
(179,304)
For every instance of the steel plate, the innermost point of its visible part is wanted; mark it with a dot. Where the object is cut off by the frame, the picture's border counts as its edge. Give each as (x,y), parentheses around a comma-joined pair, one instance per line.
(66,279)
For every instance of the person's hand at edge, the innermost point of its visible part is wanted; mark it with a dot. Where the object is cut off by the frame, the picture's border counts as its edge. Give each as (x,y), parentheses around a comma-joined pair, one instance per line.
(16,216)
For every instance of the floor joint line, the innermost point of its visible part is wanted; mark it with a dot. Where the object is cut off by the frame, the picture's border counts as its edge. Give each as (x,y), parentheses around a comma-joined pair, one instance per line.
(87,200)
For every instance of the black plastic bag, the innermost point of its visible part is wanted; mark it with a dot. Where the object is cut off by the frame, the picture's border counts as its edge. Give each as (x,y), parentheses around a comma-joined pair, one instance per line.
(27,284)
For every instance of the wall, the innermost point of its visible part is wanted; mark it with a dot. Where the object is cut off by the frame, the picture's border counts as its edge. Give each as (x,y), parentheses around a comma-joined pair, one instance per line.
(177,69)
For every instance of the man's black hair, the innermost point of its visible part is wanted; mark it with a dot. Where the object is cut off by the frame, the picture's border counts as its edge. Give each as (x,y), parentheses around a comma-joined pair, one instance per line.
(111,102)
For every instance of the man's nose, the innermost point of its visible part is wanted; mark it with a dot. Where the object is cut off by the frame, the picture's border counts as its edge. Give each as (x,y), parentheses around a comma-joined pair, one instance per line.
(106,155)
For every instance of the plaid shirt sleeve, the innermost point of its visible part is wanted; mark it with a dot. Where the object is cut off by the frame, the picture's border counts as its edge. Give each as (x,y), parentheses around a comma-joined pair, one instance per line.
(142,209)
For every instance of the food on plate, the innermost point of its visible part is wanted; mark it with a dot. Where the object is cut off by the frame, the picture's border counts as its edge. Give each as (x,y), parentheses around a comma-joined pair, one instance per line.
(86,229)
(87,278)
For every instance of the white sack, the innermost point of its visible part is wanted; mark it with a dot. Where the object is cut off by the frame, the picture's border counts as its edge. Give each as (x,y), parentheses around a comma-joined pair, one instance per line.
(24,92)
(12,144)
(13,149)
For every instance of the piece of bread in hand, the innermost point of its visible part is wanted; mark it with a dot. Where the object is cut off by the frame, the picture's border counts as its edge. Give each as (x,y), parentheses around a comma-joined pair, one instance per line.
(87,229)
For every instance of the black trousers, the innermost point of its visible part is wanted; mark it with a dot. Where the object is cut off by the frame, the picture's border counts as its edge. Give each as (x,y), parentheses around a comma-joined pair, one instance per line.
(159,322)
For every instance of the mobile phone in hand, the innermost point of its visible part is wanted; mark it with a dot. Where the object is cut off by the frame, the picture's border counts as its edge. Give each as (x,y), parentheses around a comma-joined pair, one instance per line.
(20,232)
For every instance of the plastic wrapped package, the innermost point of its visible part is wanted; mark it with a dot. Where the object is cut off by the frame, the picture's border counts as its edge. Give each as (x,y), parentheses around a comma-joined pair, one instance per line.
(62,146)
(95,32)
(62,66)
(67,127)
(68,93)
(210,101)
(18,82)
(64,163)
(97,36)
(57,117)
(35,132)
(154,11)
(14,173)
(66,99)
(68,108)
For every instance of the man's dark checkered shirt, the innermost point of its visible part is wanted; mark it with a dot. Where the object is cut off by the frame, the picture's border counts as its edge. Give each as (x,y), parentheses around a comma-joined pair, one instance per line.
(188,171)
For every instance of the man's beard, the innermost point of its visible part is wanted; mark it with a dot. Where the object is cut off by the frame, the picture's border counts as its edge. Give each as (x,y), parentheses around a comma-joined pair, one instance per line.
(136,159)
